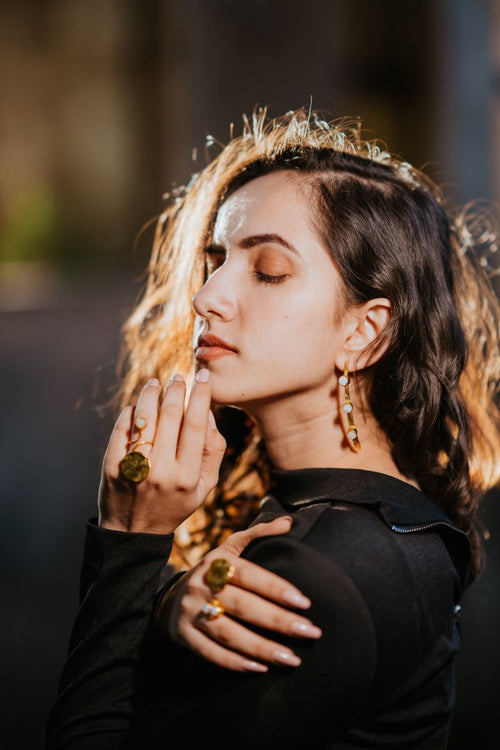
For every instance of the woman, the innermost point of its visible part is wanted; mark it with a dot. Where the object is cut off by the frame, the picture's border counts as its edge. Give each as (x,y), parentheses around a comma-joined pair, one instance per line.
(338,307)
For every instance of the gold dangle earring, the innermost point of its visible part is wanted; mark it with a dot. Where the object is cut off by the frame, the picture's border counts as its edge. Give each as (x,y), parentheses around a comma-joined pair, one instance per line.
(352,432)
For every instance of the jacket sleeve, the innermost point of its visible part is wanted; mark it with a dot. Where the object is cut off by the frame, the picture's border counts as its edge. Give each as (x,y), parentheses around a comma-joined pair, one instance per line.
(333,682)
(192,699)
(119,581)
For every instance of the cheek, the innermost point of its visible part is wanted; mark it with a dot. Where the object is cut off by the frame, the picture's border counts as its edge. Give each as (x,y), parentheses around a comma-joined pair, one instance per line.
(304,333)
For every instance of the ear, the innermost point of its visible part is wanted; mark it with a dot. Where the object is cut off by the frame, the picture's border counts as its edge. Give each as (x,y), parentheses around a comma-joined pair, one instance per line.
(361,327)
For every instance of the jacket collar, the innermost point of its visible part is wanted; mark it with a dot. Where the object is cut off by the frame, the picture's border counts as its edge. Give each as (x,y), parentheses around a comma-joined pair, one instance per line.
(400,504)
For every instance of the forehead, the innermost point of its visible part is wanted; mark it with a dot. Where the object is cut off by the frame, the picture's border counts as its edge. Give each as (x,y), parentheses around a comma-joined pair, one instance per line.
(274,202)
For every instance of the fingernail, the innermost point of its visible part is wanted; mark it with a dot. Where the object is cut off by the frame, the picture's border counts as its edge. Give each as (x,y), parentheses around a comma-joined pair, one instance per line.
(203,375)
(178,378)
(211,420)
(253,666)
(287,657)
(302,628)
(153,381)
(296,599)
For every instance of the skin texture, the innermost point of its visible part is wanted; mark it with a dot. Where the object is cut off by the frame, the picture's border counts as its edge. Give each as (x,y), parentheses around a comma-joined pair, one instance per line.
(293,336)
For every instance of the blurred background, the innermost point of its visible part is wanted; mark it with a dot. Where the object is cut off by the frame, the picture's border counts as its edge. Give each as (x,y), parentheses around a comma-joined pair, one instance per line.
(103,105)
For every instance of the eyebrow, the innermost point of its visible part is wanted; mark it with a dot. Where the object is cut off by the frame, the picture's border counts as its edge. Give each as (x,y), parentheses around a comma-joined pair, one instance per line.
(261,239)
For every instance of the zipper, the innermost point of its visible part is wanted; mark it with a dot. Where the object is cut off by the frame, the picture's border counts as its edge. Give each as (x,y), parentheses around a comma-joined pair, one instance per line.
(420,527)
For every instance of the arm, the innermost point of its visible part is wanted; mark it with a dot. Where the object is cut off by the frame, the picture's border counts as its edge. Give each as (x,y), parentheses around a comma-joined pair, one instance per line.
(100,692)
(286,706)
(124,556)
(120,575)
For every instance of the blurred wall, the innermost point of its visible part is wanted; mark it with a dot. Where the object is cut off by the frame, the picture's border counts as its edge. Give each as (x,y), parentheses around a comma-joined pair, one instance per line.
(103,105)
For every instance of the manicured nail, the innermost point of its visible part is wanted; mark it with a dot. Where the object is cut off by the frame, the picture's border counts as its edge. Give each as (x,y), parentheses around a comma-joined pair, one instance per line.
(287,657)
(211,420)
(310,631)
(203,375)
(253,666)
(296,599)
(178,378)
(153,381)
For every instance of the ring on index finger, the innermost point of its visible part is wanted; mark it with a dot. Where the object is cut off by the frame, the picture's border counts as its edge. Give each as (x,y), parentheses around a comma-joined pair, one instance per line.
(140,424)
(218,574)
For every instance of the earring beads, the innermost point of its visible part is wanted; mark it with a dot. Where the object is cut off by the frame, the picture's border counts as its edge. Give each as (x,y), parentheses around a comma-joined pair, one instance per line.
(347,408)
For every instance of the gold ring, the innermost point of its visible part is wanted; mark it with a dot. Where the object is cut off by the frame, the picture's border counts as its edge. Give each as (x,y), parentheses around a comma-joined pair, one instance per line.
(141,442)
(135,467)
(140,424)
(212,610)
(218,574)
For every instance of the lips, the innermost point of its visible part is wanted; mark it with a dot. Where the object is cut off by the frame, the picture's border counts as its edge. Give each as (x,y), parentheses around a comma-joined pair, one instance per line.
(211,340)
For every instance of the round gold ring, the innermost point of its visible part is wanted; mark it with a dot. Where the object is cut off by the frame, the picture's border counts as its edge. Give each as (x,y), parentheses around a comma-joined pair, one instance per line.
(218,574)
(212,610)
(135,467)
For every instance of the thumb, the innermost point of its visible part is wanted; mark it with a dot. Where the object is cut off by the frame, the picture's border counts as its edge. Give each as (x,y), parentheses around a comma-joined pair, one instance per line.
(237,542)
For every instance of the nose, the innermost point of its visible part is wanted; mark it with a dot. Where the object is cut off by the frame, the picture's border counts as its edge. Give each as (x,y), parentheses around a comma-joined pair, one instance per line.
(216,298)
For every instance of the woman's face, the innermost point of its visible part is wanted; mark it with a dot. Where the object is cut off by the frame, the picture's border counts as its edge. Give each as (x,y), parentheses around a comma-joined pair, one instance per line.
(272,295)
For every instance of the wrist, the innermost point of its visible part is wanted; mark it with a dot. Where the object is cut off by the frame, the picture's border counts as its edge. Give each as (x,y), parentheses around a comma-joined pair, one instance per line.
(135,526)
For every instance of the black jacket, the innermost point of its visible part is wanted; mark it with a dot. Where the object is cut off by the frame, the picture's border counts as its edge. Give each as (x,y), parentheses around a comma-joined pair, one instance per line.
(384,568)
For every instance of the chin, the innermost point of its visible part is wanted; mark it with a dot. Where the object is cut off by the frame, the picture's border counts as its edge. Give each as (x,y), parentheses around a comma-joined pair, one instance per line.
(223,397)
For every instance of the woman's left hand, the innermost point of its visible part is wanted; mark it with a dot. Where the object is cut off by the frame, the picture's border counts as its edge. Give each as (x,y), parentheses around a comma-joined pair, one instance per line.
(249,595)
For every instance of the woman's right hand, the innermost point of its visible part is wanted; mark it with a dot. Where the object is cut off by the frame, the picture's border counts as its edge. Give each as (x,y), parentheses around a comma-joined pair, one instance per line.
(185,450)
(253,594)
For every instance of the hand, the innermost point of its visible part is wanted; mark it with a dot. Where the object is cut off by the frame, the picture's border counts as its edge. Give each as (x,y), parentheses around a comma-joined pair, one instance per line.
(185,451)
(246,596)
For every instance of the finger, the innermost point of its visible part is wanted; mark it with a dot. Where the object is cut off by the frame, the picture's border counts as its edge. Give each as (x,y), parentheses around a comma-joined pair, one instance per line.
(253,577)
(237,542)
(204,646)
(145,418)
(232,635)
(213,453)
(170,419)
(117,446)
(255,610)
(194,428)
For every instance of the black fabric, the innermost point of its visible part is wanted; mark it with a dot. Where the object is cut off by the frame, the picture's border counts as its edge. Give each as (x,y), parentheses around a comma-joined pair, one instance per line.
(384,568)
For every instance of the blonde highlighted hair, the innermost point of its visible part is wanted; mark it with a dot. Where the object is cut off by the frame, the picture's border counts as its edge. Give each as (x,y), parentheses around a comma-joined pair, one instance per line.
(440,412)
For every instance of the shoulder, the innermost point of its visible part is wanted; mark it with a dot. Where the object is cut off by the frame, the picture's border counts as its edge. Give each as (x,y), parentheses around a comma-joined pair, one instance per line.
(346,654)
(328,504)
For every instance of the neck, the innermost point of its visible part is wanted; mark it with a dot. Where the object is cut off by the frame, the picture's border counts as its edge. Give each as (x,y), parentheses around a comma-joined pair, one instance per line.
(299,432)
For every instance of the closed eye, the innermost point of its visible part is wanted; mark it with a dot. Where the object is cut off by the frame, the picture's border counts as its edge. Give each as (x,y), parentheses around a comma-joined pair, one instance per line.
(268,279)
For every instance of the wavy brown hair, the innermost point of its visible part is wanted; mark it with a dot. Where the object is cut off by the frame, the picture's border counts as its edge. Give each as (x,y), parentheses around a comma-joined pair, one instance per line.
(388,230)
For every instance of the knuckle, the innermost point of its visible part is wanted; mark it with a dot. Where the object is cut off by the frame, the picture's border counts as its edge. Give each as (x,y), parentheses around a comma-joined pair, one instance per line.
(194,424)
(171,409)
(224,638)
(278,621)
(183,607)
(237,610)
(186,484)
(152,484)
(193,587)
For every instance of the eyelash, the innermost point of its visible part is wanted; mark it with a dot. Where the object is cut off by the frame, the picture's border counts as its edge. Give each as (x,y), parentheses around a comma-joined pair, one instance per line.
(263,278)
